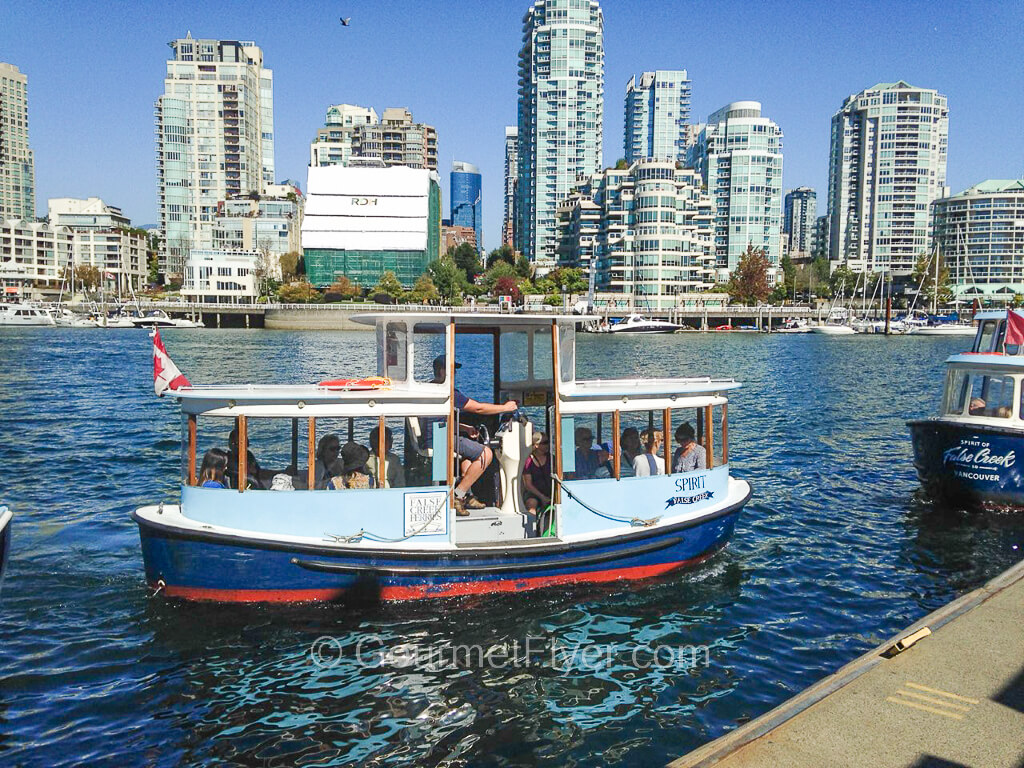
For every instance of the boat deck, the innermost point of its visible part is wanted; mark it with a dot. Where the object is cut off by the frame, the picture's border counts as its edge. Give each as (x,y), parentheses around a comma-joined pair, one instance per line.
(955,698)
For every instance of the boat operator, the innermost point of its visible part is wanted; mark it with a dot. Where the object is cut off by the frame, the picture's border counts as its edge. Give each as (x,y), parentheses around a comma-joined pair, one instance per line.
(475,457)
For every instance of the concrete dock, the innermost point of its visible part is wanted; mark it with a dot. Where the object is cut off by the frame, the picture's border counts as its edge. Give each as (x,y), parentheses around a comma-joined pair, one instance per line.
(954,698)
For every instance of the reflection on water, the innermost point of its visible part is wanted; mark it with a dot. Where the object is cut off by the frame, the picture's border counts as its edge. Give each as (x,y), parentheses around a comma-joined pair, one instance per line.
(836,551)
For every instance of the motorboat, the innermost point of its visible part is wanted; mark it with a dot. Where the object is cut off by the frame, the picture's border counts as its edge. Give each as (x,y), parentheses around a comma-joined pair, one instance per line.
(19,313)
(157,318)
(5,539)
(972,453)
(410,539)
(638,324)
(794,325)
(944,325)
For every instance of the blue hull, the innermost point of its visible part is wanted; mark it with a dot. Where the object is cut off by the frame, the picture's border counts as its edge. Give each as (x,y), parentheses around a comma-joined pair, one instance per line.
(969,465)
(215,566)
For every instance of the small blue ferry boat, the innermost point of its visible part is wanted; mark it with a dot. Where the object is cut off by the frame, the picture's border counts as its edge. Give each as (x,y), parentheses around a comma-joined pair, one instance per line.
(972,453)
(278,535)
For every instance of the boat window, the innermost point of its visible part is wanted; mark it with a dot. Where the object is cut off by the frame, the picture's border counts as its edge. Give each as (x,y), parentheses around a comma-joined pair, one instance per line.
(427,344)
(991,395)
(393,350)
(987,336)
(956,393)
(514,348)
(566,351)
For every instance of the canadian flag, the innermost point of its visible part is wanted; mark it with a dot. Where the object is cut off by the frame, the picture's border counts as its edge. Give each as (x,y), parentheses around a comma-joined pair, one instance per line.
(165,373)
(1014,328)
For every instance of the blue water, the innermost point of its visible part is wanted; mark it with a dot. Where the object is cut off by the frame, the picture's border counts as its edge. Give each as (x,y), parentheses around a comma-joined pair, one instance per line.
(835,553)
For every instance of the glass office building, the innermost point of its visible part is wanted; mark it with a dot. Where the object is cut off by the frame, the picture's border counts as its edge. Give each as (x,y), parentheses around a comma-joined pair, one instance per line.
(466,209)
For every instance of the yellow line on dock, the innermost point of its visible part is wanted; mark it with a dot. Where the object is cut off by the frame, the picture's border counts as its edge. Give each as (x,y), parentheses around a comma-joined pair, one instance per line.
(941,693)
(925,708)
(933,700)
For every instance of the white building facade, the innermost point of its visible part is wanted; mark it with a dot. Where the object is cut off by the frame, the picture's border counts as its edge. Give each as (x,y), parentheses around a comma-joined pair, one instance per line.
(270,225)
(739,155)
(979,234)
(215,138)
(104,238)
(561,103)
(17,163)
(221,276)
(887,163)
(34,257)
(657,114)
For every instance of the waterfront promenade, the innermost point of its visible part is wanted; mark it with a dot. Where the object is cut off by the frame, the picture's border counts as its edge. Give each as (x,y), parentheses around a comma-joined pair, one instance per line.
(955,698)
(336,317)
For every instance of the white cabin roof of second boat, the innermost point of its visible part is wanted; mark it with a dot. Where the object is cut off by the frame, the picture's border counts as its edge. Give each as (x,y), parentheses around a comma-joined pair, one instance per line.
(407,395)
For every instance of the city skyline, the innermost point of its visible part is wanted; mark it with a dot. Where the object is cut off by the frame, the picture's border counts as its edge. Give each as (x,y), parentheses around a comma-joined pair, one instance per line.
(91,116)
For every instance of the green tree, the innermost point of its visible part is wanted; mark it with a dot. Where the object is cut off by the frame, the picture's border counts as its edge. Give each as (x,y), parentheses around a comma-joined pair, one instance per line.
(497,271)
(524,267)
(467,259)
(842,280)
(568,280)
(423,292)
(388,284)
(819,277)
(88,276)
(749,281)
(788,276)
(299,293)
(924,275)
(291,266)
(449,279)
(504,253)
(345,288)
(620,164)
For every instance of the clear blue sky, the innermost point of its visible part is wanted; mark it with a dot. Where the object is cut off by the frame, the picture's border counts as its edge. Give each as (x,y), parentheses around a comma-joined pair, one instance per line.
(96,68)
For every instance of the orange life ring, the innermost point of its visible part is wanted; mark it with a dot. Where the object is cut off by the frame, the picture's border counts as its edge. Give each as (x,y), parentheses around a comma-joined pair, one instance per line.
(371,382)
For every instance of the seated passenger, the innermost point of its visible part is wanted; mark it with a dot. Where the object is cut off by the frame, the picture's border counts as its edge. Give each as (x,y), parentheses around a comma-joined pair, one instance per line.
(252,467)
(586,456)
(977,407)
(604,461)
(537,477)
(1003,412)
(631,448)
(326,454)
(650,463)
(211,472)
(689,456)
(350,470)
(392,465)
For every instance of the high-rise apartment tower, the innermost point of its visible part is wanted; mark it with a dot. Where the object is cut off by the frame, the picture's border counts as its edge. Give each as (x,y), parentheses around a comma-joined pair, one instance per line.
(561,102)
(508,227)
(739,155)
(17,164)
(887,163)
(799,215)
(657,112)
(215,138)
(466,207)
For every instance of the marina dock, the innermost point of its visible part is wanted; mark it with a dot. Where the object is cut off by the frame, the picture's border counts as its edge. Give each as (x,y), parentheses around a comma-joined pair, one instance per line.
(954,698)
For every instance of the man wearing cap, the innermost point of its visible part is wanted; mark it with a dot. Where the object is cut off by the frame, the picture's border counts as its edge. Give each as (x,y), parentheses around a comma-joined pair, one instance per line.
(475,457)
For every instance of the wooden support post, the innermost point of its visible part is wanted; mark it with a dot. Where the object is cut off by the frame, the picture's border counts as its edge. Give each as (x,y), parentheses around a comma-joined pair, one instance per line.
(191,449)
(382,452)
(725,433)
(666,427)
(709,434)
(556,439)
(351,429)
(311,455)
(243,453)
(616,446)
(600,432)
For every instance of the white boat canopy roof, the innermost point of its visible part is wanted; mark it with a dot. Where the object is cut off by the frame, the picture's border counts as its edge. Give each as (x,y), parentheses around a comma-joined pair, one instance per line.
(470,319)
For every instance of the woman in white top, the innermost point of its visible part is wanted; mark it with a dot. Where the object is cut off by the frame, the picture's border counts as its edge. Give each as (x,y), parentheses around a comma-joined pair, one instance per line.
(649,463)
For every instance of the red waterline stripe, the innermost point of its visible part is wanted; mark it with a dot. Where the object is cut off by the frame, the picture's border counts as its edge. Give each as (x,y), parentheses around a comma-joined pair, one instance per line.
(422,591)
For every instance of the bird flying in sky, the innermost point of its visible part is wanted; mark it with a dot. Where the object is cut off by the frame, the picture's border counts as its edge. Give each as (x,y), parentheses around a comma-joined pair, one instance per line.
(344,22)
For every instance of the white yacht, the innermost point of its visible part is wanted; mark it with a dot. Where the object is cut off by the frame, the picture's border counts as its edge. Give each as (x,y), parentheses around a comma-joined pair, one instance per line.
(157,318)
(638,324)
(24,314)
(836,324)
